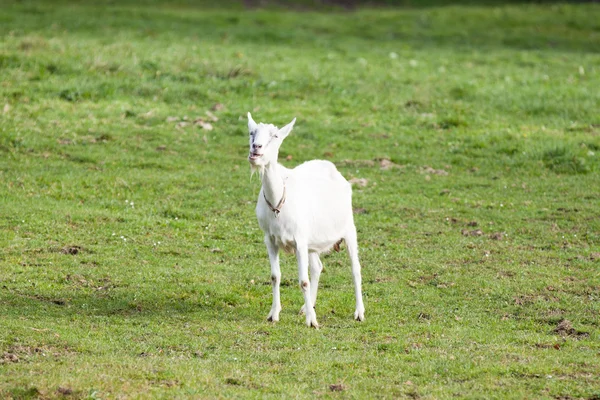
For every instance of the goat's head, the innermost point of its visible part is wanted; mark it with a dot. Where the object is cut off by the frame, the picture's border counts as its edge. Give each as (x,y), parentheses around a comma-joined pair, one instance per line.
(265,140)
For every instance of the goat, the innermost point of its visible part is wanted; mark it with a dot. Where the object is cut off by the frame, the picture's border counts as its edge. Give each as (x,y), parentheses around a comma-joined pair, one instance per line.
(307,211)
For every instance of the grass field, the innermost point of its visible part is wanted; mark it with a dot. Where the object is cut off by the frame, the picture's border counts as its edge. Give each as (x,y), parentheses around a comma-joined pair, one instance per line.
(131,262)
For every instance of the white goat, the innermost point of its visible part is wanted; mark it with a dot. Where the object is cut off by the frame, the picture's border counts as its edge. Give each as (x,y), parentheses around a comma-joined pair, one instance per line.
(306,210)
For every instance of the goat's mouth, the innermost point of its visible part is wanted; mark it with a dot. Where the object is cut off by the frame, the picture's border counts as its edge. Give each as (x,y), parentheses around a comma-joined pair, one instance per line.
(254,156)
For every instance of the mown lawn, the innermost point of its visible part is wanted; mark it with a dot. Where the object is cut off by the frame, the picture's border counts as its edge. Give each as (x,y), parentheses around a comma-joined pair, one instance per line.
(131,262)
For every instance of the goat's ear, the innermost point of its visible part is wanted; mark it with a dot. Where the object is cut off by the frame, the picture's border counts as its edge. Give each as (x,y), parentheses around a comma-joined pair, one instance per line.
(283,132)
(251,124)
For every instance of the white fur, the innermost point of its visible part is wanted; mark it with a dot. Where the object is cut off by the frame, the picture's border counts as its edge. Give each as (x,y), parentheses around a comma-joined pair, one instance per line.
(316,215)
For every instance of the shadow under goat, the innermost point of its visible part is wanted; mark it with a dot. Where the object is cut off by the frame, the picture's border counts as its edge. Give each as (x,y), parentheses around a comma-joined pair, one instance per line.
(307,211)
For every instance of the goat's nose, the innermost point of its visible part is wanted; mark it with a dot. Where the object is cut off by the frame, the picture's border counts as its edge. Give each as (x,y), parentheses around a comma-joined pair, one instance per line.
(257,146)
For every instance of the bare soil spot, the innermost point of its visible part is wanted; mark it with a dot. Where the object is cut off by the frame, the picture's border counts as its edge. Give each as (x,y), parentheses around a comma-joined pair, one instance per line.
(476,232)
(565,329)
(18,353)
(72,250)
(428,170)
(362,182)
(337,387)
(65,391)
(9,357)
(81,281)
(497,236)
(386,164)
(530,299)
(166,382)
(555,346)
(233,381)
(357,163)
(522,300)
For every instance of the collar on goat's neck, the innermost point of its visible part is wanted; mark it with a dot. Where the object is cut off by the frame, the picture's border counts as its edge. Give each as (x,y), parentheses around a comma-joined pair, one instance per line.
(273,187)
(277,209)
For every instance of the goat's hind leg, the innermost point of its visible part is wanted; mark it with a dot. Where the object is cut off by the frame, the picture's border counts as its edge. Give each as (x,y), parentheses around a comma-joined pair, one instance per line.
(316,267)
(273,251)
(352,244)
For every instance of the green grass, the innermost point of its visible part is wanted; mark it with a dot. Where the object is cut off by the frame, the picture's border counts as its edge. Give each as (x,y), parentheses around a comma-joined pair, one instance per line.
(131,262)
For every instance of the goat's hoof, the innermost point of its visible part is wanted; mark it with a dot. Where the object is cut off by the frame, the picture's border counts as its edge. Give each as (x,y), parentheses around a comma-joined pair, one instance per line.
(311,321)
(359,315)
(273,316)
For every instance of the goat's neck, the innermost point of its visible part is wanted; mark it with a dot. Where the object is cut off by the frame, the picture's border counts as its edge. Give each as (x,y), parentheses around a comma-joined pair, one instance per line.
(272,183)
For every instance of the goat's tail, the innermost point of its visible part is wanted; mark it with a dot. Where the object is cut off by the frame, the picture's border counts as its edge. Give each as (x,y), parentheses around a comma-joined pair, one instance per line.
(336,246)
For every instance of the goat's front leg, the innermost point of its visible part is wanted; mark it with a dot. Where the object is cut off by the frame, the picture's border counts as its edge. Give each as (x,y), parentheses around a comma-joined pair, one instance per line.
(302,256)
(316,267)
(273,251)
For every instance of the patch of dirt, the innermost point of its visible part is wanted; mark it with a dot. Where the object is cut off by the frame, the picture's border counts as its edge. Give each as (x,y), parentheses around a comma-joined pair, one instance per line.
(207,126)
(506,274)
(101,284)
(497,236)
(39,297)
(20,353)
(386,164)
(359,211)
(476,232)
(65,391)
(565,329)
(530,299)
(337,387)
(423,316)
(166,382)
(9,357)
(72,250)
(358,163)
(555,346)
(362,182)
(522,300)
(428,170)
(233,381)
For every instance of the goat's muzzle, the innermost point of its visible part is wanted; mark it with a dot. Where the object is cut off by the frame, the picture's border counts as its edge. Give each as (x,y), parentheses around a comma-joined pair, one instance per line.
(254,156)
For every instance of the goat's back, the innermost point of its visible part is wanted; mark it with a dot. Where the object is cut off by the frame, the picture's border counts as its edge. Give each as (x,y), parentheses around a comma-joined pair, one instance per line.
(322,201)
